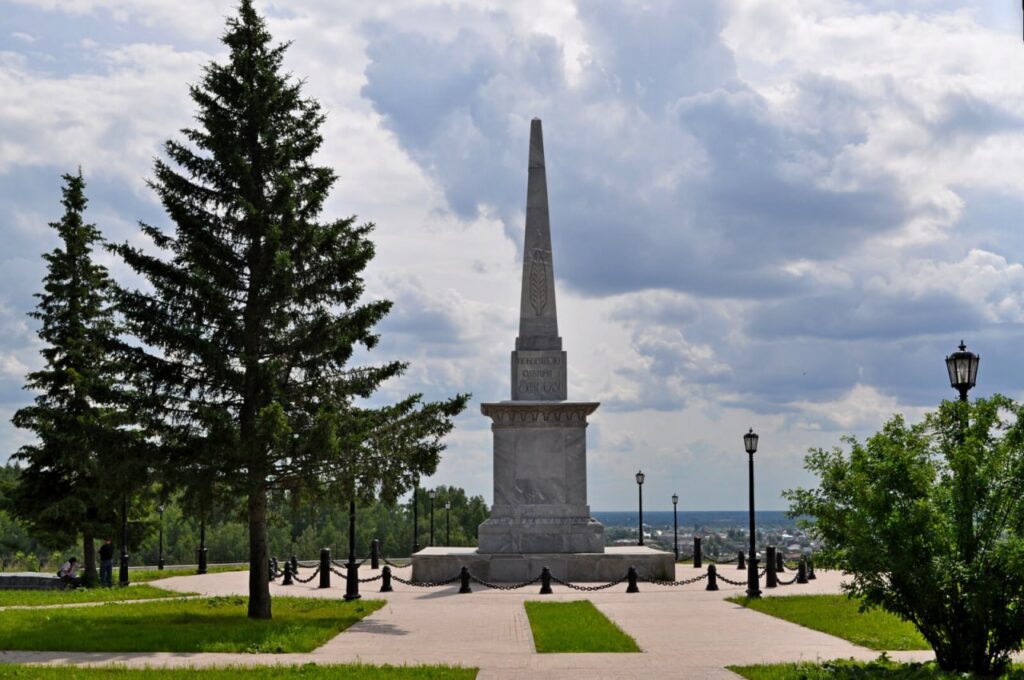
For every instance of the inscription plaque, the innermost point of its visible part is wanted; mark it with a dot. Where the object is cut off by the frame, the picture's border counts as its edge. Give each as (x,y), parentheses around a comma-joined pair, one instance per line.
(538,375)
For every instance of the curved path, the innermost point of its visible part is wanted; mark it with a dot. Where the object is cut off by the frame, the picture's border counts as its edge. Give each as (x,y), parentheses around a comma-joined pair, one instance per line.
(684,632)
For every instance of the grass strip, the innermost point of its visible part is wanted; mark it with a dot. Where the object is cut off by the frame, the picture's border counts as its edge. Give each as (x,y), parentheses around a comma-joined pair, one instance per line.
(575,627)
(216,624)
(146,575)
(880,669)
(839,615)
(81,595)
(304,672)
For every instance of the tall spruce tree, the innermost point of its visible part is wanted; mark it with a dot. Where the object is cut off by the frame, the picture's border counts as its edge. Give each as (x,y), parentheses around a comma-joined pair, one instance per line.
(77,471)
(254,309)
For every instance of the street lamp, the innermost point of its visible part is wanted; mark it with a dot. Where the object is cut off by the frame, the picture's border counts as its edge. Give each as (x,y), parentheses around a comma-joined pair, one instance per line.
(675,524)
(750,444)
(160,555)
(640,488)
(447,523)
(122,577)
(415,516)
(432,494)
(963,370)
(201,567)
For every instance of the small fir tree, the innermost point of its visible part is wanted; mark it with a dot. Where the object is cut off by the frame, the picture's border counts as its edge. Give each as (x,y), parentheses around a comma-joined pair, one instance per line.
(254,309)
(77,471)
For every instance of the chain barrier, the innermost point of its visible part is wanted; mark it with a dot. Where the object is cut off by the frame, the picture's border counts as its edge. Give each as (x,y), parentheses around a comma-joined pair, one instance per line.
(312,576)
(344,565)
(392,564)
(371,579)
(426,584)
(684,582)
(730,581)
(712,560)
(786,583)
(588,589)
(342,574)
(495,586)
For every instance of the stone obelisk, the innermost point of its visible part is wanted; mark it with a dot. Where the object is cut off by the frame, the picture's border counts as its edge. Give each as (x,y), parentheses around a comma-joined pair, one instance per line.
(540,440)
(540,517)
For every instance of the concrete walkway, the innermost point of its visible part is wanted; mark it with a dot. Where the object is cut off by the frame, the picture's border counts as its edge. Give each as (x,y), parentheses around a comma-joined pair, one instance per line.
(684,632)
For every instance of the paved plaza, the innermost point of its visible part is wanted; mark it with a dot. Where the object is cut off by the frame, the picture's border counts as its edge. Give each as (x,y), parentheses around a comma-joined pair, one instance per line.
(684,632)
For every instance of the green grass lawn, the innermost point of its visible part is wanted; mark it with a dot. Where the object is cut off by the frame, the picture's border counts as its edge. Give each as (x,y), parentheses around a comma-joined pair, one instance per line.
(145,575)
(304,672)
(575,627)
(199,625)
(838,615)
(81,595)
(881,669)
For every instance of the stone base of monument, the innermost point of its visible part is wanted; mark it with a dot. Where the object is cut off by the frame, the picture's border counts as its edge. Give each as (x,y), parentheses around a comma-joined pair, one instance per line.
(440,564)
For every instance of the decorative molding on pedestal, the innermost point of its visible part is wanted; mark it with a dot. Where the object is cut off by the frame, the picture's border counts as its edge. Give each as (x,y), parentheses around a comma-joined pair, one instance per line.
(539,414)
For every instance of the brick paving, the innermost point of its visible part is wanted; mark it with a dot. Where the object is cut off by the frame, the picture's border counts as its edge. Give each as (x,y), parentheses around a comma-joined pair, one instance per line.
(684,632)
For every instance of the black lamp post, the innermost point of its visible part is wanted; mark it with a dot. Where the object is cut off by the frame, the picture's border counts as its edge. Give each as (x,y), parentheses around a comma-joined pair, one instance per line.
(160,554)
(432,494)
(963,370)
(447,522)
(415,517)
(201,568)
(122,576)
(351,568)
(640,488)
(675,524)
(753,589)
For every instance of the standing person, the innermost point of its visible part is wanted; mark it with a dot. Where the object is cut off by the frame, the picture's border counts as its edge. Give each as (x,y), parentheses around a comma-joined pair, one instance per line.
(107,563)
(67,573)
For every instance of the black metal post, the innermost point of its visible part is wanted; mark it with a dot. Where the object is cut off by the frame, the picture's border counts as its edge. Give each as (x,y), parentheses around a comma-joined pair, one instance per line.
(801,571)
(431,494)
(160,555)
(202,546)
(640,489)
(545,581)
(352,569)
(287,581)
(375,554)
(675,526)
(631,577)
(712,578)
(123,573)
(753,589)
(448,522)
(385,580)
(415,518)
(741,563)
(464,581)
(780,562)
(325,567)
(697,554)
(771,580)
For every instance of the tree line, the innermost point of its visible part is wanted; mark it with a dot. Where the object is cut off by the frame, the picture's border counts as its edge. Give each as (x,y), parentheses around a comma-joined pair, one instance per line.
(223,384)
(300,531)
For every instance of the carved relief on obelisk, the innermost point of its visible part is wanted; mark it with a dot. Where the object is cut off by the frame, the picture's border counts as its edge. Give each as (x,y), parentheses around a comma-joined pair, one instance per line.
(538,362)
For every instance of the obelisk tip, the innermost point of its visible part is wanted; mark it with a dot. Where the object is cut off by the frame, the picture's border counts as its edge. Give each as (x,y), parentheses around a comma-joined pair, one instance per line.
(536,144)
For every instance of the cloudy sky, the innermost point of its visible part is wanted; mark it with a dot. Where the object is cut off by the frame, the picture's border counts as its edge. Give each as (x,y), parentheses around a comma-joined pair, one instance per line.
(769,213)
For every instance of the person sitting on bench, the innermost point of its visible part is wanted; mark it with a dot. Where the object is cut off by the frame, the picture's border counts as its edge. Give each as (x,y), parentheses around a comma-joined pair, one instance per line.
(67,573)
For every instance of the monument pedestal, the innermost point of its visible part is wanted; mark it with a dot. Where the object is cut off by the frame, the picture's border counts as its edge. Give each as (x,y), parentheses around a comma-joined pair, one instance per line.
(439,564)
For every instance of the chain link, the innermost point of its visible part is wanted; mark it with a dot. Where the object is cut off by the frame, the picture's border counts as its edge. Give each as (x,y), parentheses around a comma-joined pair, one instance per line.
(426,584)
(588,589)
(730,581)
(786,583)
(392,564)
(495,586)
(306,580)
(684,582)
(344,565)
